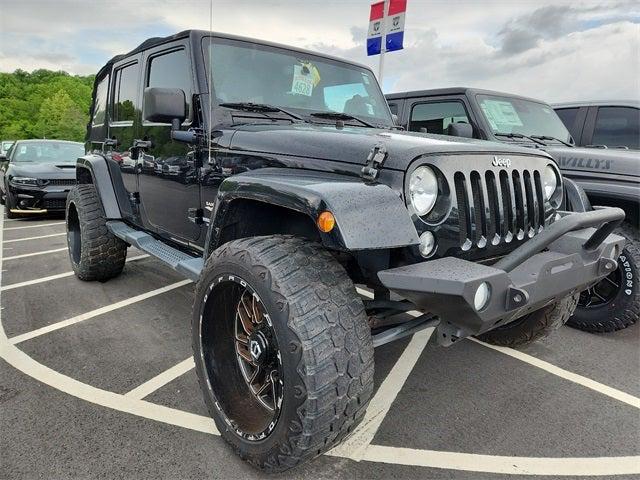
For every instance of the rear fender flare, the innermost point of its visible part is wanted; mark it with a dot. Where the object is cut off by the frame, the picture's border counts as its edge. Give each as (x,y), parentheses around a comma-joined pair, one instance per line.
(105,175)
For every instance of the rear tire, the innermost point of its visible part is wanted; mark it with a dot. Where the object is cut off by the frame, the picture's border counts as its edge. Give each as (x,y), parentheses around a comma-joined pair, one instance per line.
(621,306)
(319,349)
(95,252)
(533,326)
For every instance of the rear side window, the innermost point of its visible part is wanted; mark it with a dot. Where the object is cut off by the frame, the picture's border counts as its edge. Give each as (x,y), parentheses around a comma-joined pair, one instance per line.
(100,102)
(125,93)
(171,70)
(617,127)
(435,117)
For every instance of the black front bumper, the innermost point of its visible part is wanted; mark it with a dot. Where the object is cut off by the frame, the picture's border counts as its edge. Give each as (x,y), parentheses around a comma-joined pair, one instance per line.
(566,258)
(38,200)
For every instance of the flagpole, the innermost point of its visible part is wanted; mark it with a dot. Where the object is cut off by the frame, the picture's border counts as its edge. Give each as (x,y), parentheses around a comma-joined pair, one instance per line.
(383,45)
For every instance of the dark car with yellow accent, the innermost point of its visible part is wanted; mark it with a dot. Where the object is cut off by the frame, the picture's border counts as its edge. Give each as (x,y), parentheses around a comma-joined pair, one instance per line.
(36,176)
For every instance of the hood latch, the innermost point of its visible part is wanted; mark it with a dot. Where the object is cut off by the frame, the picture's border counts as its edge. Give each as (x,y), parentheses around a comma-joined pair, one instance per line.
(375,160)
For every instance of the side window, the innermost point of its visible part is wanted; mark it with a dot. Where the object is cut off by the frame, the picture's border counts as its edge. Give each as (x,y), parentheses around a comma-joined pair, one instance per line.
(100,102)
(435,117)
(172,70)
(617,127)
(394,108)
(568,117)
(125,94)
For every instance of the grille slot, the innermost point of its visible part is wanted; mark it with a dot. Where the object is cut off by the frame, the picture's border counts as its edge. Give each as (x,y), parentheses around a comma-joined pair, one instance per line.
(498,206)
(61,181)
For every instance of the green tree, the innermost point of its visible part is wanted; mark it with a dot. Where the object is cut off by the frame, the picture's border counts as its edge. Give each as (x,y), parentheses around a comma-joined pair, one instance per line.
(44,103)
(60,118)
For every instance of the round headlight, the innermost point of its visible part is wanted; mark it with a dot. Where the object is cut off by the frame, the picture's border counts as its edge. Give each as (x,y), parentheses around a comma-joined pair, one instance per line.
(481,298)
(549,181)
(423,190)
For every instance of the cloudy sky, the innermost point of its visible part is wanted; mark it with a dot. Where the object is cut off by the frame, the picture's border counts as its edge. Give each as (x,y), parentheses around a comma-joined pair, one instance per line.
(550,50)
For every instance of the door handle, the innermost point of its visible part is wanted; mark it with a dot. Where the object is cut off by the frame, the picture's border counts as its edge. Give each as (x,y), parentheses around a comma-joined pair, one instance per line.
(142,144)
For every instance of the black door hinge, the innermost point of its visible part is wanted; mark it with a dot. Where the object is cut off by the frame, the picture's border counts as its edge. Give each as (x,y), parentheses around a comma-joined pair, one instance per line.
(375,160)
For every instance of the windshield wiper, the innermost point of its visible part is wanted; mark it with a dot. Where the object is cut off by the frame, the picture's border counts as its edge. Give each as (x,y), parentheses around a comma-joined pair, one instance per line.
(520,135)
(260,108)
(341,116)
(549,137)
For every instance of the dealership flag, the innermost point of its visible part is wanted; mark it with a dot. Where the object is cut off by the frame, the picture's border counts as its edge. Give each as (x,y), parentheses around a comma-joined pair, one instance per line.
(387,27)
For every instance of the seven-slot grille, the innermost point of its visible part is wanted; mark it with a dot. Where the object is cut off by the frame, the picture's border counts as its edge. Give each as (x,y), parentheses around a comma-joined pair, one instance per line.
(497,206)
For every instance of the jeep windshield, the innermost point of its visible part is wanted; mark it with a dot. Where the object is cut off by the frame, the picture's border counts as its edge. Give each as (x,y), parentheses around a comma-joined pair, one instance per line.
(315,88)
(522,118)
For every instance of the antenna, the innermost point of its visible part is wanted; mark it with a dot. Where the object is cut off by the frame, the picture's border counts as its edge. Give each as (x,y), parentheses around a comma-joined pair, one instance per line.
(210,82)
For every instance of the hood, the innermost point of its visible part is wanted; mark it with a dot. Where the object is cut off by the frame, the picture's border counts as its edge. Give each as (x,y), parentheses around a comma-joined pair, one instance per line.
(353,144)
(43,170)
(602,160)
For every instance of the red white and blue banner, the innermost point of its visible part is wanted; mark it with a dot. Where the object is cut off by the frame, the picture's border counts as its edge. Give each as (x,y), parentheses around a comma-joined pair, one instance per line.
(387,27)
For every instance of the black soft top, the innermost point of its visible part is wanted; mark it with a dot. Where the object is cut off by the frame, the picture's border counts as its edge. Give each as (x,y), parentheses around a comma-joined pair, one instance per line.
(198,34)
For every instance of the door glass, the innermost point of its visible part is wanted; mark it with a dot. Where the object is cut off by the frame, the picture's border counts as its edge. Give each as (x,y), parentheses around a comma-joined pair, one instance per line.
(617,127)
(100,104)
(125,94)
(435,117)
(568,117)
(171,70)
(394,108)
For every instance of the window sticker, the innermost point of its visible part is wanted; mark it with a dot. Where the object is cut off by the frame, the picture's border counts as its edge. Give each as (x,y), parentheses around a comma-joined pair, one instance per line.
(500,114)
(305,77)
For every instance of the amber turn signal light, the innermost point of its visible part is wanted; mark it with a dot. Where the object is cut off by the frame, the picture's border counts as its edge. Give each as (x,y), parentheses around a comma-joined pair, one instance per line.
(326,221)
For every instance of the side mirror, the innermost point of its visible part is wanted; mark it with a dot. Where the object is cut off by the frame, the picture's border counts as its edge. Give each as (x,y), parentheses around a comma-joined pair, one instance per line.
(460,129)
(3,157)
(164,105)
(394,117)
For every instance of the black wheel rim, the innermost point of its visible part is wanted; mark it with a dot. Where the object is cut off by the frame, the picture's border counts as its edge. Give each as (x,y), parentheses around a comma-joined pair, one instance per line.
(602,293)
(241,358)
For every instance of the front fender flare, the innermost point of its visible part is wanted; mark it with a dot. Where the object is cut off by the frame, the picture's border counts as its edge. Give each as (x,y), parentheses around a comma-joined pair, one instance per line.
(368,216)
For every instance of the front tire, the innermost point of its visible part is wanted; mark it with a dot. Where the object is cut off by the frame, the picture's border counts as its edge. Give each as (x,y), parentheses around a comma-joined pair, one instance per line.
(308,331)
(613,303)
(95,252)
(533,326)
(9,204)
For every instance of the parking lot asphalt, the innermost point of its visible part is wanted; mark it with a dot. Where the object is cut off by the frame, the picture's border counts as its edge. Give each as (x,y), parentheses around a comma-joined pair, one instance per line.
(96,381)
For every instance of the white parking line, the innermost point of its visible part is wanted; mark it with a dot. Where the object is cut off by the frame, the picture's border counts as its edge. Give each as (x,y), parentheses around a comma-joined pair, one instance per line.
(54,277)
(159,381)
(25,255)
(35,226)
(94,313)
(34,238)
(567,375)
(472,462)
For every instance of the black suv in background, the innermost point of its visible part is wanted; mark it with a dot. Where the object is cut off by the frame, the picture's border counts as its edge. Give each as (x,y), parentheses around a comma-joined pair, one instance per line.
(37,175)
(603,124)
(609,176)
(275,178)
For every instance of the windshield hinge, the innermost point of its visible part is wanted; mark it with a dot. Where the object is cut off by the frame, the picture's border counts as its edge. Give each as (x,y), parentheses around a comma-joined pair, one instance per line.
(375,160)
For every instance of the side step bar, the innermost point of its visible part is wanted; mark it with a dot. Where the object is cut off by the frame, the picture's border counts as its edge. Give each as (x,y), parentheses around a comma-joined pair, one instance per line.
(183,263)
(405,329)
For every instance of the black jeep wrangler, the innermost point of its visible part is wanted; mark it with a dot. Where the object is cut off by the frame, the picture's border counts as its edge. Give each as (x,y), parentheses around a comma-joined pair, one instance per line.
(609,176)
(275,178)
